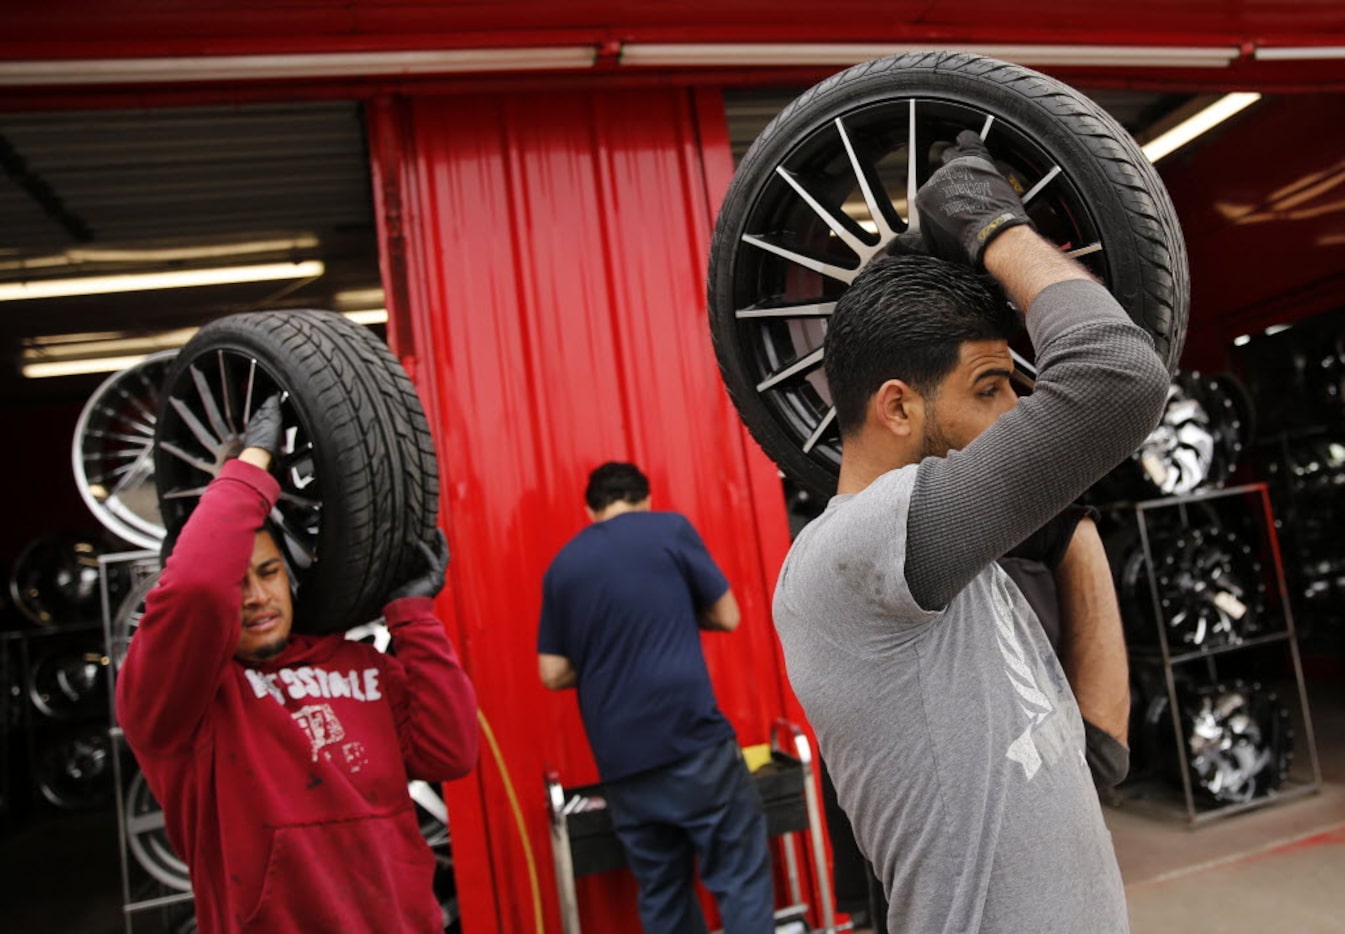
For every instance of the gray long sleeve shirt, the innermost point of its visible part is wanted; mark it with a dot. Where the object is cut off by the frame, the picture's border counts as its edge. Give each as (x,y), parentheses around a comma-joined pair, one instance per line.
(944,716)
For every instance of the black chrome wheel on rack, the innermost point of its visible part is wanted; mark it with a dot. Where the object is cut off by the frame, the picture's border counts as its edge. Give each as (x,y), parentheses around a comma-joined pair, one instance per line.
(113,451)
(1198,441)
(1211,589)
(54,581)
(830,183)
(1209,581)
(74,769)
(1239,741)
(359,480)
(69,682)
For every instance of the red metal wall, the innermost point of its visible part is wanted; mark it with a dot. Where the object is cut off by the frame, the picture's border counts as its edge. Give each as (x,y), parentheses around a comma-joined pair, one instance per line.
(547,257)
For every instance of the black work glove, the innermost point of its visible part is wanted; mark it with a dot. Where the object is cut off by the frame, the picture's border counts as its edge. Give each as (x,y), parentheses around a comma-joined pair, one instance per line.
(432,581)
(1049,543)
(265,428)
(967,203)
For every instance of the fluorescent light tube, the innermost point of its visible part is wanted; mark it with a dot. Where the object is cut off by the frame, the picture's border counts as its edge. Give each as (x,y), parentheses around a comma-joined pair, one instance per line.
(153,281)
(368,316)
(838,54)
(1197,123)
(109,351)
(269,67)
(163,254)
(1306,53)
(80,367)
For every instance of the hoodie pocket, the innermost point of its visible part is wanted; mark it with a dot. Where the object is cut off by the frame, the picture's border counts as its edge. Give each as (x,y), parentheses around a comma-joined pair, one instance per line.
(348,876)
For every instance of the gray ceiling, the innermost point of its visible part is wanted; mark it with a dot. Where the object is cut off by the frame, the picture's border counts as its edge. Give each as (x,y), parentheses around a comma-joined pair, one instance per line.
(106,192)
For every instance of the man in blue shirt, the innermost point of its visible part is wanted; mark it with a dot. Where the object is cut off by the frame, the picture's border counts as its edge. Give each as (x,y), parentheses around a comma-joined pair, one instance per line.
(623,604)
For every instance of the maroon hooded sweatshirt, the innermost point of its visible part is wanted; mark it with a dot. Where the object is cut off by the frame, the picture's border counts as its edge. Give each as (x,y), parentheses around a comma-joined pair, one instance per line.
(283,782)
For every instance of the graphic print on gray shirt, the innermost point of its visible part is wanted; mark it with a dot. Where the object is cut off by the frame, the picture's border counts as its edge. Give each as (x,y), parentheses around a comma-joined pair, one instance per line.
(952,736)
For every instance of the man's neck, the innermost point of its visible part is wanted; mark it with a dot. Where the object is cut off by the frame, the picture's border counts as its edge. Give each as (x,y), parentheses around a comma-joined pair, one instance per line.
(861,464)
(620,507)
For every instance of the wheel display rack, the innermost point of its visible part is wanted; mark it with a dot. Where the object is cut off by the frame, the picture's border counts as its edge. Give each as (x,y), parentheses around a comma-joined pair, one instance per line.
(166,887)
(53,748)
(583,842)
(1274,629)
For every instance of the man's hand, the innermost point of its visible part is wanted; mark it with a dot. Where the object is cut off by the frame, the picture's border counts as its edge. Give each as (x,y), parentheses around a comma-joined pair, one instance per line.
(261,436)
(432,581)
(967,203)
(264,431)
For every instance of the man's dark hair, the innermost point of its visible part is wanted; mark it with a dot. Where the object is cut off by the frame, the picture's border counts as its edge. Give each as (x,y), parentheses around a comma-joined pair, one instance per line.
(906,317)
(615,482)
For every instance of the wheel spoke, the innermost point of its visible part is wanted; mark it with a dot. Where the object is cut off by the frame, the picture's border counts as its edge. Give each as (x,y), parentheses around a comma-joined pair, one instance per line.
(296,538)
(811,310)
(821,428)
(838,226)
(1024,370)
(197,462)
(912,173)
(184,494)
(138,440)
(138,470)
(202,434)
(143,427)
(885,231)
(1094,247)
(138,824)
(149,416)
(816,265)
(249,389)
(305,502)
(1046,180)
(208,403)
(802,365)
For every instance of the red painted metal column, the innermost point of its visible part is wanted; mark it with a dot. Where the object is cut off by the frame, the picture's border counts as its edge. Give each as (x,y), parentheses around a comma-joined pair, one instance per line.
(545,261)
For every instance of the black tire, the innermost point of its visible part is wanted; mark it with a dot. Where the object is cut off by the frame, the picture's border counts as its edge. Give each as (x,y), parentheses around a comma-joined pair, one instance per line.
(359,478)
(1100,199)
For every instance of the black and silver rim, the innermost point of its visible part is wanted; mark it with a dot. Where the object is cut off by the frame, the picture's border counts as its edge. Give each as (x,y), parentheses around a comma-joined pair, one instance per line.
(212,402)
(113,451)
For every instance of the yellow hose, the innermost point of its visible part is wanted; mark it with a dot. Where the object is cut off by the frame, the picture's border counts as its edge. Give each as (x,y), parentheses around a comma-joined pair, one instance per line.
(518,819)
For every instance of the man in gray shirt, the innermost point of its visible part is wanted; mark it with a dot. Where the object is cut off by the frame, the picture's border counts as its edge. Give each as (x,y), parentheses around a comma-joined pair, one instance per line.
(947,722)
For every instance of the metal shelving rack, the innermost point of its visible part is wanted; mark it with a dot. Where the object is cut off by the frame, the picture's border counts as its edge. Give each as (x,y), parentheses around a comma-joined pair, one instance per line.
(142,564)
(1263,521)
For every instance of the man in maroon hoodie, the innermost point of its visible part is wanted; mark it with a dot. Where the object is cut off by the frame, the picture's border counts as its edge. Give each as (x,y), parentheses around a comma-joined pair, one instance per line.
(282,760)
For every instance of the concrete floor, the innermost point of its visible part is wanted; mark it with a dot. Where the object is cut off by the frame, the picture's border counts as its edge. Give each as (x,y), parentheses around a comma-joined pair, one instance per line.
(1279,868)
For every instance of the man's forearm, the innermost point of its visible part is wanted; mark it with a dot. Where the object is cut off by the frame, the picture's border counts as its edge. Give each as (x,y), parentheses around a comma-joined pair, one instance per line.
(1024,264)
(437,727)
(1092,641)
(192,619)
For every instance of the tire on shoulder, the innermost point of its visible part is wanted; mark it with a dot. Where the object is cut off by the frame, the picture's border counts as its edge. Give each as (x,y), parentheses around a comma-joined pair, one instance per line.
(358,473)
(1142,257)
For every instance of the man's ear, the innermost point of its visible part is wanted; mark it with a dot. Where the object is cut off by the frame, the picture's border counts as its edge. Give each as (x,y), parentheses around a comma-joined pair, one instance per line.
(896,406)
